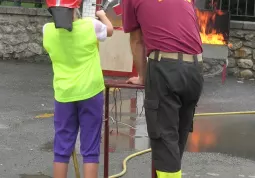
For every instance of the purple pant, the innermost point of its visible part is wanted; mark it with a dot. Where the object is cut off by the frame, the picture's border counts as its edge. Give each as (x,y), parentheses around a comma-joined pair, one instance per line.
(68,118)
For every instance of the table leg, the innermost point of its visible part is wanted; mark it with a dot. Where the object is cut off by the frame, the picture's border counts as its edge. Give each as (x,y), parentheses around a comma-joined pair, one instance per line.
(106,134)
(153,170)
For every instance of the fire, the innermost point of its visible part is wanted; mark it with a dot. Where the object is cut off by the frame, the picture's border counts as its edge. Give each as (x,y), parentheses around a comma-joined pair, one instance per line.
(209,35)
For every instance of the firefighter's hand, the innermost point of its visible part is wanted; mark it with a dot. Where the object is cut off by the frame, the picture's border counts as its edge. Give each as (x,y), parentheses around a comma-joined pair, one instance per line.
(100,14)
(135,81)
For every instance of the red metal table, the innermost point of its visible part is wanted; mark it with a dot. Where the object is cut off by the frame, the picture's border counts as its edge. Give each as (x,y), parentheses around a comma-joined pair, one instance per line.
(114,84)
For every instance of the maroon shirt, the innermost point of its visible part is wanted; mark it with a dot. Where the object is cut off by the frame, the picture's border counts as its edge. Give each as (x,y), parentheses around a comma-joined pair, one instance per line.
(167,25)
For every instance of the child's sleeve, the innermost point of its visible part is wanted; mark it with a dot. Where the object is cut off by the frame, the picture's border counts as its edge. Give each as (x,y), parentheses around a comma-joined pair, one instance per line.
(100,29)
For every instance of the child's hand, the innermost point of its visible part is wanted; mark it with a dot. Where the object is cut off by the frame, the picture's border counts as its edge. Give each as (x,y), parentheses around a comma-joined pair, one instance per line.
(102,17)
(100,14)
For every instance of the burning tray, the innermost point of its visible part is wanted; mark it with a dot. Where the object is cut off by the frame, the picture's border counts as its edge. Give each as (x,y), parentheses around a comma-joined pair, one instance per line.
(214,31)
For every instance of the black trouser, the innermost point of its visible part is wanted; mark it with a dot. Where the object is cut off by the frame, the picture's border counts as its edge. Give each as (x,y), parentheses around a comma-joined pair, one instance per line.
(172,90)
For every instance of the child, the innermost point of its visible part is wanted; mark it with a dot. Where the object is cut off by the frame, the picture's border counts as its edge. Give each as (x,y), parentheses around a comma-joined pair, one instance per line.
(78,89)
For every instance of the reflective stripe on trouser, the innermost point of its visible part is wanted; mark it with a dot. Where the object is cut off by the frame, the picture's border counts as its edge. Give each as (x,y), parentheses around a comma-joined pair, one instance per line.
(169,175)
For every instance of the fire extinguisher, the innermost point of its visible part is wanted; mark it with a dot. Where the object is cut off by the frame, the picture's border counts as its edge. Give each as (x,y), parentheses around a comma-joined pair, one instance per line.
(116,8)
(103,6)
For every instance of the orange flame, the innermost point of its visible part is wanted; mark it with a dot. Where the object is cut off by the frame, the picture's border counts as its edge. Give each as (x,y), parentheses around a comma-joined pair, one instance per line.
(203,137)
(209,36)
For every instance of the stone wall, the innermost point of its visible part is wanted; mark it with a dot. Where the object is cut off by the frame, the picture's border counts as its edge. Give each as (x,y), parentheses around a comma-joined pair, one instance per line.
(21,33)
(242,50)
(21,39)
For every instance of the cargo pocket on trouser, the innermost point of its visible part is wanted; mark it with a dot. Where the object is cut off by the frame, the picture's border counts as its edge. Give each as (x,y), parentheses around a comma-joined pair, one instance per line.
(151,114)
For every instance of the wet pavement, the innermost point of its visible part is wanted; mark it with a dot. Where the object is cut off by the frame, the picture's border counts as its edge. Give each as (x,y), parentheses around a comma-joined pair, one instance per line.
(220,146)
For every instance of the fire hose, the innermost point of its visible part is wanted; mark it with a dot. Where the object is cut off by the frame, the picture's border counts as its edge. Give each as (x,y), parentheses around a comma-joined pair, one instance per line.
(124,163)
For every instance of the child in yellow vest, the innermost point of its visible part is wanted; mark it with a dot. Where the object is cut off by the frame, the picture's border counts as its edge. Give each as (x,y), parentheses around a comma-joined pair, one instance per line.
(78,89)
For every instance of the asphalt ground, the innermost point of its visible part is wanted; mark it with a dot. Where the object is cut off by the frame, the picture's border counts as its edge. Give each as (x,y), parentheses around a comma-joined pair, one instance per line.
(220,146)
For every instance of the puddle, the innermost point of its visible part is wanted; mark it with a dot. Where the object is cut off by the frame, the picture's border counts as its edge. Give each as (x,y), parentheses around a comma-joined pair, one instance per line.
(33,176)
(231,135)
(129,134)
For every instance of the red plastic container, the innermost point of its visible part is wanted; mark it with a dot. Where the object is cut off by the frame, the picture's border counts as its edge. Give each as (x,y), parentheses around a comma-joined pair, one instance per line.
(117,9)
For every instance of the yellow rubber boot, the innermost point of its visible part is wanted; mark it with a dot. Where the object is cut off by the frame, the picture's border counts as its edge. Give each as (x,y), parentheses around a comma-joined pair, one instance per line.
(169,175)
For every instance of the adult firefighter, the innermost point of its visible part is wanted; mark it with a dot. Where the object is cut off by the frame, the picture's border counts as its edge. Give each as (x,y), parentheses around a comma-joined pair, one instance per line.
(78,84)
(166,31)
